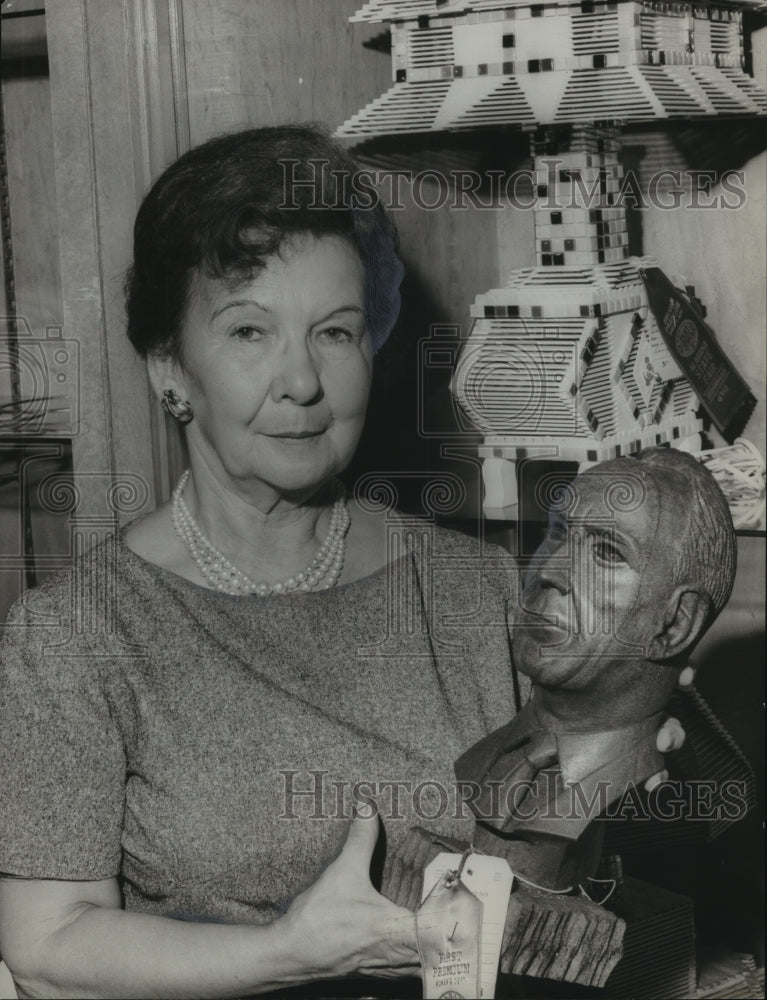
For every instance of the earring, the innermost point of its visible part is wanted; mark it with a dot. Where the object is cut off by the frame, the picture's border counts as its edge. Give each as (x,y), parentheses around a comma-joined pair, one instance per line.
(179,409)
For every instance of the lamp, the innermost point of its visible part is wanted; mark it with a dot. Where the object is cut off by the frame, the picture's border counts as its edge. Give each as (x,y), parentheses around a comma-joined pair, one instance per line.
(591,353)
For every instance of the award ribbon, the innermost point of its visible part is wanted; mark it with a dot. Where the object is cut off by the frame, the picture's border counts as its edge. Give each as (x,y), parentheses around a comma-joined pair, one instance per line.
(694,347)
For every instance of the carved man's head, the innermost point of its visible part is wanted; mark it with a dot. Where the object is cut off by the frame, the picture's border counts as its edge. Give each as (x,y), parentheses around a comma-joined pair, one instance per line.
(638,561)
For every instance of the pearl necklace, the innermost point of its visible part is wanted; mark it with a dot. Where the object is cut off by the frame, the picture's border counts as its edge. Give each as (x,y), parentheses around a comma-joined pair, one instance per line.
(321,573)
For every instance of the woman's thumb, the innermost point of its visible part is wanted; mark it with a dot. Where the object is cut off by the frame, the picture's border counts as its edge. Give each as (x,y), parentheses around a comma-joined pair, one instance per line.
(360,843)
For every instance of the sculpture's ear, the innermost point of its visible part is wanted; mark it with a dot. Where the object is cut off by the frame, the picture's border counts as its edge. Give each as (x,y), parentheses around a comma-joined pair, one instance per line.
(684,622)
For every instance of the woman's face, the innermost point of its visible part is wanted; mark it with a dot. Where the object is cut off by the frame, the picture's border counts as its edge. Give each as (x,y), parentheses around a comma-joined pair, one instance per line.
(277,369)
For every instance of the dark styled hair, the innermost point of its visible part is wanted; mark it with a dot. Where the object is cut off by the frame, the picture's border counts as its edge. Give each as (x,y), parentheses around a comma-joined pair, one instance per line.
(225,206)
(707,550)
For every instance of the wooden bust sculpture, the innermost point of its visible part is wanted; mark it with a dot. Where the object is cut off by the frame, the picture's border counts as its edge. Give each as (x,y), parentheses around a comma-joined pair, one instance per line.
(638,561)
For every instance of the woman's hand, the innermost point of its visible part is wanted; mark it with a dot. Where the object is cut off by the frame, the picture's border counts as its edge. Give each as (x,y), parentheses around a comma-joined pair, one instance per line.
(670,737)
(73,939)
(340,926)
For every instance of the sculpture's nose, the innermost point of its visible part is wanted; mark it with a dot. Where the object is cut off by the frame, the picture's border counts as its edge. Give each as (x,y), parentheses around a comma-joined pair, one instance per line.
(550,567)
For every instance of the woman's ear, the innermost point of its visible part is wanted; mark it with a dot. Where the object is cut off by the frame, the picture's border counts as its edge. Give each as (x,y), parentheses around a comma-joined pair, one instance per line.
(687,613)
(163,373)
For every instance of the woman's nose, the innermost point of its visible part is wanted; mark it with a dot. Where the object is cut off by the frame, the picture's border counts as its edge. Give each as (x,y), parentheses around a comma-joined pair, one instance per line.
(296,375)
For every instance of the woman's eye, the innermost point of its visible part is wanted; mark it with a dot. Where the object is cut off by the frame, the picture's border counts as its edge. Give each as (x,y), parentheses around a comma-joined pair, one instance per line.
(335,335)
(247,332)
(337,343)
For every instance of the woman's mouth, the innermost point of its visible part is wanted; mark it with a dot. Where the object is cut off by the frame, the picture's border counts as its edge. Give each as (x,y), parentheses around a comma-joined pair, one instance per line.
(296,435)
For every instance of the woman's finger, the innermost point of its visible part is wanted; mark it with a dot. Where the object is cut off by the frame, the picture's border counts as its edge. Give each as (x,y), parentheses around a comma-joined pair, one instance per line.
(671,736)
(656,779)
(687,676)
(353,863)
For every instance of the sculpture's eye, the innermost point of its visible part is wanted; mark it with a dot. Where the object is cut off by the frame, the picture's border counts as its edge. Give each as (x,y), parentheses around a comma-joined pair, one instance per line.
(605,550)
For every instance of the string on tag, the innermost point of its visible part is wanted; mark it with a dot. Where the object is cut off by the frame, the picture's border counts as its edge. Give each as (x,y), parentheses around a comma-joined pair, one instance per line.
(612,882)
(543,888)
(454,876)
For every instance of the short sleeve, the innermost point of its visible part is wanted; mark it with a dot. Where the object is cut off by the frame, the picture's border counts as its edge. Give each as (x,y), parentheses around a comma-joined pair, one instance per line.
(62,761)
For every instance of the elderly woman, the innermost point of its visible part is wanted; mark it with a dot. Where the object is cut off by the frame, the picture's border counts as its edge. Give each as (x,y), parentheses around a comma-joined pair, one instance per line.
(179,776)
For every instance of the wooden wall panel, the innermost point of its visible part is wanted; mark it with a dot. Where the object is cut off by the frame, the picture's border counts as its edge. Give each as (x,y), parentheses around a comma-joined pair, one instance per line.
(116,124)
(264,62)
(32,198)
(77,222)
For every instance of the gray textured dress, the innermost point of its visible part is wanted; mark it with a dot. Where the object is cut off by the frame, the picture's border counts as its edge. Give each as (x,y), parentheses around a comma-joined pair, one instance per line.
(157,731)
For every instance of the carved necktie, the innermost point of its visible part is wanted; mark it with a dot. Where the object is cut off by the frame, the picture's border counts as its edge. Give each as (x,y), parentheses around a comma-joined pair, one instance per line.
(510,782)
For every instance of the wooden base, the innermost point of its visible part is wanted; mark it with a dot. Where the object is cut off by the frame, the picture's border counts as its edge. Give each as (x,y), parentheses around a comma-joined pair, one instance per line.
(567,938)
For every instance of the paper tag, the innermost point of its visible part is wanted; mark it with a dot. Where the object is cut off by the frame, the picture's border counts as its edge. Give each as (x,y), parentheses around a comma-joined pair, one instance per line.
(490,880)
(448,930)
